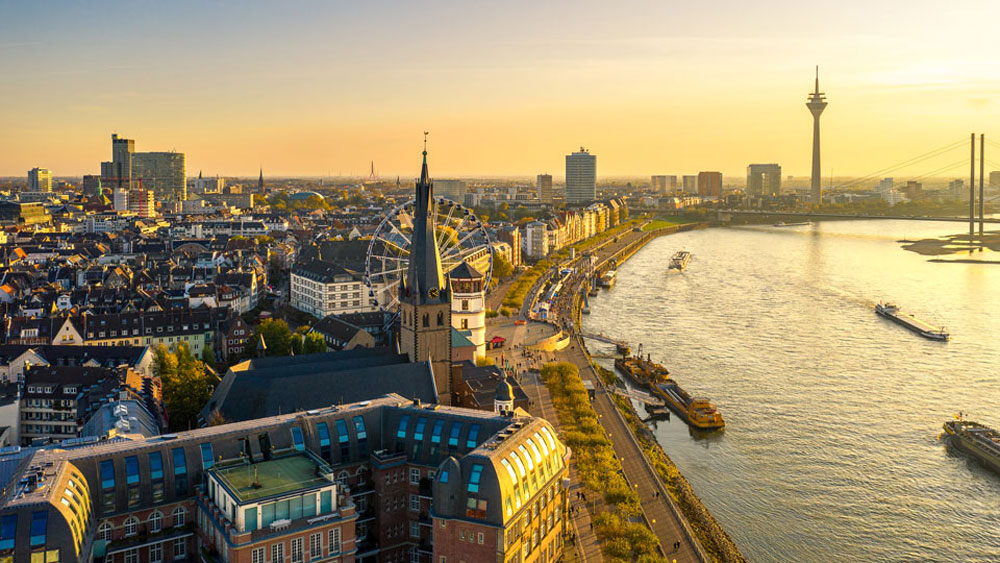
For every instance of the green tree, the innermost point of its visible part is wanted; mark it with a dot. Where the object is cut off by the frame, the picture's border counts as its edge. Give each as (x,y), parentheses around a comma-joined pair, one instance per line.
(501,267)
(277,337)
(314,343)
(187,386)
(208,355)
(297,344)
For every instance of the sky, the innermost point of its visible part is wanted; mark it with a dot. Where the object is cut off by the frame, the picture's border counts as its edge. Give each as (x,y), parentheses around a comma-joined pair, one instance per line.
(307,88)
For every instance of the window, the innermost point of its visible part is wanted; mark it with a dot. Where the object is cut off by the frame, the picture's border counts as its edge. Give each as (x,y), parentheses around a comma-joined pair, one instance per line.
(278,553)
(465,324)
(156,553)
(465,306)
(456,429)
(296,550)
(180,514)
(344,439)
(180,548)
(474,477)
(404,421)
(414,476)
(315,547)
(324,440)
(444,476)
(8,530)
(39,522)
(297,439)
(359,429)
(108,484)
(104,532)
(207,455)
(436,432)
(180,472)
(257,555)
(481,538)
(132,556)
(472,438)
(334,541)
(130,526)
(418,432)
(155,521)
(156,475)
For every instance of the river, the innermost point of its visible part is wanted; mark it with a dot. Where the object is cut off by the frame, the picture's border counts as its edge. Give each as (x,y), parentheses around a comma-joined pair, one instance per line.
(831,450)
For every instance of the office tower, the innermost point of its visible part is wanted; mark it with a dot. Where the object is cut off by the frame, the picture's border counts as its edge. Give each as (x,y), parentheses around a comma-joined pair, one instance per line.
(581,177)
(451,189)
(39,180)
(92,185)
(118,172)
(995,179)
(120,198)
(690,184)
(543,184)
(763,179)
(710,184)
(161,172)
(816,105)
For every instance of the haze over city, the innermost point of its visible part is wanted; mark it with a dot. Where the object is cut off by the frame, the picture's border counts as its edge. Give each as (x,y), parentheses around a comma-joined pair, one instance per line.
(319,88)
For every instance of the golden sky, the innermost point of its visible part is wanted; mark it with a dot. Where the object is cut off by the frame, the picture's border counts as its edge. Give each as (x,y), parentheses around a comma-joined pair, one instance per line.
(317,88)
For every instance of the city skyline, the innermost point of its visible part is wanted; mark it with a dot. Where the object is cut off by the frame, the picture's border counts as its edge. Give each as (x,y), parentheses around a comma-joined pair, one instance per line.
(236,88)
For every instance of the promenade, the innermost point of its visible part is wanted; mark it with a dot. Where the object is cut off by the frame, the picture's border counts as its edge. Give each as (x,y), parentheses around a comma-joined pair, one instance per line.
(659,511)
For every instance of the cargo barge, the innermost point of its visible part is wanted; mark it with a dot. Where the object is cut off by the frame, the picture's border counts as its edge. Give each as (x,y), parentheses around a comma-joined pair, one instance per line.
(977,440)
(892,312)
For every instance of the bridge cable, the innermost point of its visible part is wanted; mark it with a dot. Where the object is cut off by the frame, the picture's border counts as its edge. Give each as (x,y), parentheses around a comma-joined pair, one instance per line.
(909,162)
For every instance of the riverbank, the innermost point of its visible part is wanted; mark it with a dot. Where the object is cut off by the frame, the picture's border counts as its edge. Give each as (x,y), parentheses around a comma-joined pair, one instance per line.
(709,533)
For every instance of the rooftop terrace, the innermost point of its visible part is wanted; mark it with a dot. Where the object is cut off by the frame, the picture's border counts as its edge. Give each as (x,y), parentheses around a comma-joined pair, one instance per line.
(277,476)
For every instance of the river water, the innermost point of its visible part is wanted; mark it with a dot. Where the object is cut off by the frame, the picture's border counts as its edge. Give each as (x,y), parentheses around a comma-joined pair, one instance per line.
(831,450)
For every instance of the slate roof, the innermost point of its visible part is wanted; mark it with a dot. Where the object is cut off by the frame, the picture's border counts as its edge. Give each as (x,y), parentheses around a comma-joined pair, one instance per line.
(274,385)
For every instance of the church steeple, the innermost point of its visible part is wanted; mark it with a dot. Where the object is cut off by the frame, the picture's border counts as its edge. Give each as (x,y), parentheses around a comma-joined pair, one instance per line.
(260,181)
(425,282)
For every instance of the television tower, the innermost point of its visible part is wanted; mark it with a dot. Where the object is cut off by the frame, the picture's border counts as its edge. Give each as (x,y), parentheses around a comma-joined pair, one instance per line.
(816,105)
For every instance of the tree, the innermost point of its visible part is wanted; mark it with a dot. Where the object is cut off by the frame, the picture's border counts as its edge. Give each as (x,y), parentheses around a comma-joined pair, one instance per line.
(297,344)
(314,343)
(187,386)
(501,267)
(208,355)
(277,337)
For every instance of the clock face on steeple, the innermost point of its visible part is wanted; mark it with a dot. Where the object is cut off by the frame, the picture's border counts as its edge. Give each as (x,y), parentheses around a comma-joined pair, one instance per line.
(433,293)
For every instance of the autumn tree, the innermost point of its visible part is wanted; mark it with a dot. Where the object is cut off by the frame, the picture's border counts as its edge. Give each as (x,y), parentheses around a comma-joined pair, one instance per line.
(187,386)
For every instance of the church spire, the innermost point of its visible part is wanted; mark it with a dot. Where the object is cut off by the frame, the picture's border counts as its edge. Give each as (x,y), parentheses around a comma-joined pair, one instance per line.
(424,276)
(260,181)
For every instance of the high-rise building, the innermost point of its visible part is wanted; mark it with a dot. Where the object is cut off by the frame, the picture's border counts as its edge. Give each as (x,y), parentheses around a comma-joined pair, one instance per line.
(816,105)
(543,184)
(763,179)
(690,184)
(161,172)
(710,184)
(120,198)
(118,172)
(995,179)
(581,177)
(663,184)
(92,185)
(39,180)
(451,189)
(424,297)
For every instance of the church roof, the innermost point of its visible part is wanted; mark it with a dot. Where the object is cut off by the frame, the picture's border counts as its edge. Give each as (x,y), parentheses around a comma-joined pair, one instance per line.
(465,271)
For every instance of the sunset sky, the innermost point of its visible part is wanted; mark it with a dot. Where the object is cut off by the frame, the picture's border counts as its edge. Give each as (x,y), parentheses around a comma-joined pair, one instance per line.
(505,88)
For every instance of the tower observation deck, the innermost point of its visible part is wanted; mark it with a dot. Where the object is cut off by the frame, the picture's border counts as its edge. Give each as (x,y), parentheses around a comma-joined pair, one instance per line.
(816,104)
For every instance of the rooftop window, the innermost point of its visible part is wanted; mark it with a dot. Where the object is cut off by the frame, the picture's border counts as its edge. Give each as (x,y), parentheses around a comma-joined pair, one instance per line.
(404,421)
(471,441)
(474,477)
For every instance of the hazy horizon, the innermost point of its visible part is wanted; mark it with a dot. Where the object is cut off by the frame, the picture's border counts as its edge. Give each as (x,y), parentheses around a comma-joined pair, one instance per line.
(318,89)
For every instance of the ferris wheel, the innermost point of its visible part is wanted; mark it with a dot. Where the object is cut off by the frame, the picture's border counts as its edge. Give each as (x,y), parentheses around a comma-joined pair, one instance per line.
(461,237)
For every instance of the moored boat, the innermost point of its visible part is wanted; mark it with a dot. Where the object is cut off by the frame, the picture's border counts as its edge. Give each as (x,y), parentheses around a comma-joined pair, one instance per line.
(609,278)
(699,412)
(973,438)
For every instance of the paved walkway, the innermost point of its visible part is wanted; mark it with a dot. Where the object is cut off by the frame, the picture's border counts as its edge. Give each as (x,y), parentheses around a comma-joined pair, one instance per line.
(587,545)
